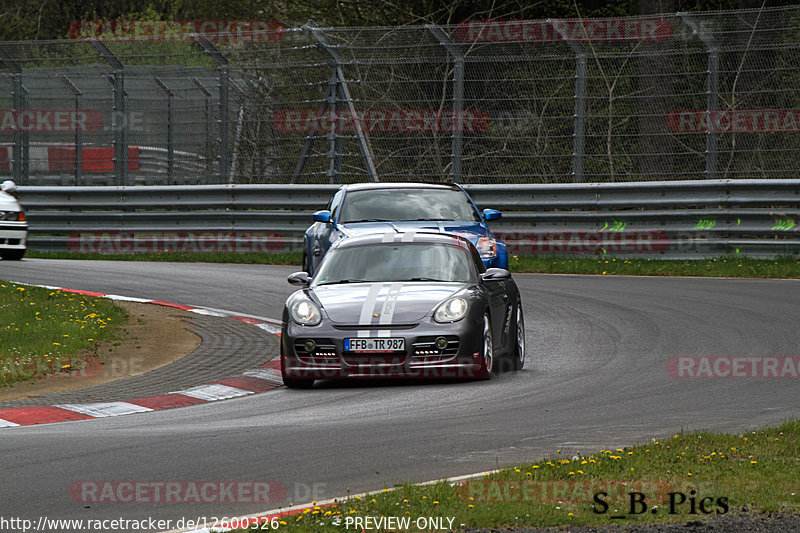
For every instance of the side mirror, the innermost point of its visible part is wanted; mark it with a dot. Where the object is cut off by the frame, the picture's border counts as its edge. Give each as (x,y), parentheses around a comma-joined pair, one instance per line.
(495,274)
(491,214)
(299,278)
(8,186)
(322,216)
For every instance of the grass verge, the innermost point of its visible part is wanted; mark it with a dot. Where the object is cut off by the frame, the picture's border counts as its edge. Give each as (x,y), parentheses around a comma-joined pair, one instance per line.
(46,331)
(688,477)
(727,266)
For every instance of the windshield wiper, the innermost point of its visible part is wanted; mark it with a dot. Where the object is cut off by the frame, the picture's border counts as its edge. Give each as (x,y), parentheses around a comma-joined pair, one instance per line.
(424,278)
(427,220)
(366,220)
(345,281)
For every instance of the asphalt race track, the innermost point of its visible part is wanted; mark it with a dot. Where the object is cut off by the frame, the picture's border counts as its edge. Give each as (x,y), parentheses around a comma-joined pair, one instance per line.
(596,378)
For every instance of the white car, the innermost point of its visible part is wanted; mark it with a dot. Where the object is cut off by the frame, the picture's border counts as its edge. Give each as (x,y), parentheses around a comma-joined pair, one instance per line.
(13,224)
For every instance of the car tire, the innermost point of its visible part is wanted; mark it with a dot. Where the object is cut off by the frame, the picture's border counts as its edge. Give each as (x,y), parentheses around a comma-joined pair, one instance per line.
(12,255)
(487,349)
(298,383)
(518,355)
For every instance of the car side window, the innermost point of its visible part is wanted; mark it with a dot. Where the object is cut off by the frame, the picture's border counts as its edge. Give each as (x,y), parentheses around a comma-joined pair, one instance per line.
(334,203)
(476,258)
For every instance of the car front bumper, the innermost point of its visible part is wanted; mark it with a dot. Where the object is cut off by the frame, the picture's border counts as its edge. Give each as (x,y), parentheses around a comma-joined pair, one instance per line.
(13,235)
(461,359)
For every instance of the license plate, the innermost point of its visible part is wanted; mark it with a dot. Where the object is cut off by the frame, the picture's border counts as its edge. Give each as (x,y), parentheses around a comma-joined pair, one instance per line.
(374,345)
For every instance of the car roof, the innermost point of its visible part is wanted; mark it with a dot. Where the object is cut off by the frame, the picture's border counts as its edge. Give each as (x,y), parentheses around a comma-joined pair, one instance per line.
(398,185)
(410,237)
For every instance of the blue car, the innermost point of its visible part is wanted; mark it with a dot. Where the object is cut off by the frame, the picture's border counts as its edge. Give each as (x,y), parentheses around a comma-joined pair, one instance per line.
(369,208)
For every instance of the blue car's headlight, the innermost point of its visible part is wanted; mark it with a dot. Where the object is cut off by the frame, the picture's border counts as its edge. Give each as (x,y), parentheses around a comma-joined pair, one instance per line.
(487,247)
(451,310)
(306,313)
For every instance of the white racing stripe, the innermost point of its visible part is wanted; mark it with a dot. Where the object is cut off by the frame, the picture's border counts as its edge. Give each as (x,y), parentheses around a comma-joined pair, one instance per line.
(368,307)
(6,424)
(389,305)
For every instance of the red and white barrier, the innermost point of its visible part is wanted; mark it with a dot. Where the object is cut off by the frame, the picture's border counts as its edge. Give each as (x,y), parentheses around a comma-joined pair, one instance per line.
(58,158)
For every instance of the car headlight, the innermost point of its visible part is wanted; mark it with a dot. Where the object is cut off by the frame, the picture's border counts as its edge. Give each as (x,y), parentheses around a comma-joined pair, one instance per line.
(451,310)
(487,247)
(305,313)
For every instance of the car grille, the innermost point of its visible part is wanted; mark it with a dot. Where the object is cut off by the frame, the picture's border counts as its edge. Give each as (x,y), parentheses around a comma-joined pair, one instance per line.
(425,350)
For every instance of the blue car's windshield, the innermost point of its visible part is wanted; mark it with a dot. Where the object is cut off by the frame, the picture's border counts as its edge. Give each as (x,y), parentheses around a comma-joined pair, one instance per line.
(397,205)
(395,262)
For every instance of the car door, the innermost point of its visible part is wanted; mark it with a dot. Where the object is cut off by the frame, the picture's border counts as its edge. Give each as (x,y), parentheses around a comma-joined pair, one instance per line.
(498,303)
(324,234)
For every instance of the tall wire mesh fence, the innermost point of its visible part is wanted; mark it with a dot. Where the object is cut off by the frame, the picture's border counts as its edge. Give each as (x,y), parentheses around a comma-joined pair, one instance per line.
(663,97)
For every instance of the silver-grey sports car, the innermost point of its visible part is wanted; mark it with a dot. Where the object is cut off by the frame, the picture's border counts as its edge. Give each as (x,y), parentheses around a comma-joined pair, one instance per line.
(418,305)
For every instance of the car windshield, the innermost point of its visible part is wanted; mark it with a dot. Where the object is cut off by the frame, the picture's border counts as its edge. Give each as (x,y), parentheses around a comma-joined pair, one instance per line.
(398,205)
(395,262)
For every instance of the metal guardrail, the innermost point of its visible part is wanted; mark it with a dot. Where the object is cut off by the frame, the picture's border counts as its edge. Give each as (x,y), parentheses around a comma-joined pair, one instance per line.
(684,219)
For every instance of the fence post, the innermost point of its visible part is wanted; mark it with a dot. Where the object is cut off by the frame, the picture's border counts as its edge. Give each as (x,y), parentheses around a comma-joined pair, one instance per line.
(579,118)
(224,78)
(170,149)
(712,94)
(309,142)
(18,105)
(26,140)
(120,114)
(579,135)
(458,100)
(207,111)
(344,94)
(78,132)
